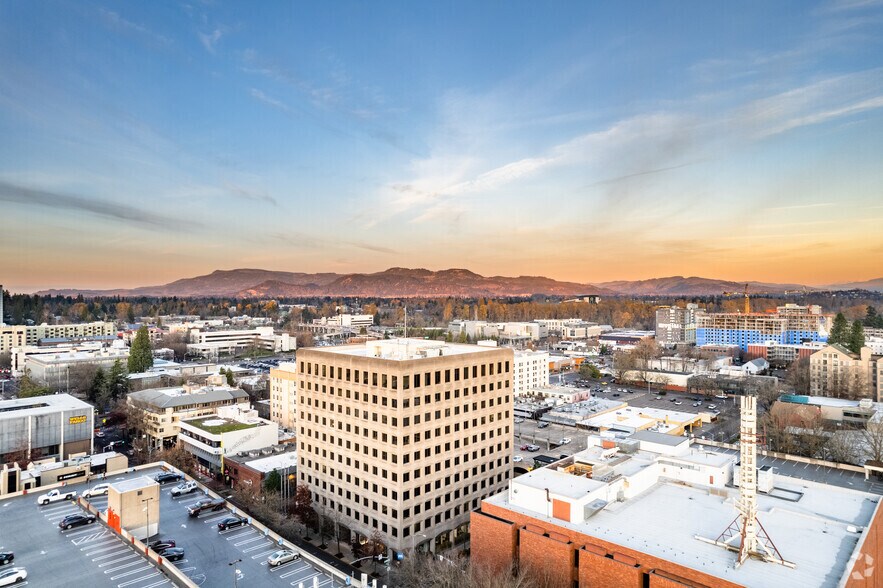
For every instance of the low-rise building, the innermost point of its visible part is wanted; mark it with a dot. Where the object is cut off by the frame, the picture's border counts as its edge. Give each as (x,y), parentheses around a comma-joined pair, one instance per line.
(251,468)
(54,369)
(283,395)
(57,425)
(782,354)
(630,419)
(232,429)
(349,321)
(163,409)
(625,339)
(214,343)
(836,371)
(531,371)
(25,335)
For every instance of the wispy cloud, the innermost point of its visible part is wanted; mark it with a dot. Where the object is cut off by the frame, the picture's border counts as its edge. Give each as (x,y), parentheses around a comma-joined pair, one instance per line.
(17,194)
(250,194)
(115,21)
(801,206)
(261,97)
(210,40)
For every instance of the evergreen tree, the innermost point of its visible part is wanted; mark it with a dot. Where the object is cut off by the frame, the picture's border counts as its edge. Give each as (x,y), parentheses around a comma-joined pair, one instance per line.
(856,337)
(98,386)
(230,380)
(141,354)
(839,332)
(873,319)
(27,387)
(117,382)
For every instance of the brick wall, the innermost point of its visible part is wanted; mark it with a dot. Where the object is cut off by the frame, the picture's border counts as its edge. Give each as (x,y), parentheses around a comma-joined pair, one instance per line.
(621,566)
(867,572)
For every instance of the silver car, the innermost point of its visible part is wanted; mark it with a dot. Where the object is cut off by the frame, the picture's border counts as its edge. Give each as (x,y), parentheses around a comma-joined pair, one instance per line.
(13,576)
(282,557)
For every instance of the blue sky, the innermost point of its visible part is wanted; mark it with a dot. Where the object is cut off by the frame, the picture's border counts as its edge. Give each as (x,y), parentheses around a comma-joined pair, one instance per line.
(143,142)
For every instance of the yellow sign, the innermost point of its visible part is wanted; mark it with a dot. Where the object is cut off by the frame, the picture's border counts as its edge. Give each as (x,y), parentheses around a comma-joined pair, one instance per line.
(77,420)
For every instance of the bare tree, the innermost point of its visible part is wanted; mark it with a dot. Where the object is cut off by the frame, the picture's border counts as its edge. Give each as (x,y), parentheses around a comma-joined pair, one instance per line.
(872,436)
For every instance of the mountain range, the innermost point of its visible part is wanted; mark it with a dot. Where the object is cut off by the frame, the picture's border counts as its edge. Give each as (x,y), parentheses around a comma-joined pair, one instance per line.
(420,283)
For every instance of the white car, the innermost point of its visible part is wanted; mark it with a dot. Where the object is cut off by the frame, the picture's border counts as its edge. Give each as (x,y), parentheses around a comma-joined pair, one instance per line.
(98,490)
(55,496)
(282,557)
(13,576)
(712,406)
(678,403)
(183,488)
(721,396)
(517,459)
(564,441)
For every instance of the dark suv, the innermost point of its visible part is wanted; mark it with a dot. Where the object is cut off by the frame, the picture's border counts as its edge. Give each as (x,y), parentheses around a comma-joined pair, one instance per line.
(168,477)
(203,505)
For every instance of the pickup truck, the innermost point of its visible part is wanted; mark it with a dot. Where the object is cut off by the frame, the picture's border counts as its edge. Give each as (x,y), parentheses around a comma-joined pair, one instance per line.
(55,496)
(183,488)
(203,505)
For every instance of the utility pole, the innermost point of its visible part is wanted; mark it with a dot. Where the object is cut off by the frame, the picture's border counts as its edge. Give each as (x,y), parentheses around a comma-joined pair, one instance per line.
(232,564)
(147,510)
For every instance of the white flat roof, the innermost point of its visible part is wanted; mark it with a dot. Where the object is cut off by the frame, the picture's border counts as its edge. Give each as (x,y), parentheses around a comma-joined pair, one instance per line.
(664,520)
(273,462)
(634,417)
(133,484)
(38,405)
(560,483)
(405,349)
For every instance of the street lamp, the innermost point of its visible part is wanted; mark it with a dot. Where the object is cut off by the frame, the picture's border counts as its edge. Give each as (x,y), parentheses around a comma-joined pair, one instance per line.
(147,510)
(236,572)
(414,541)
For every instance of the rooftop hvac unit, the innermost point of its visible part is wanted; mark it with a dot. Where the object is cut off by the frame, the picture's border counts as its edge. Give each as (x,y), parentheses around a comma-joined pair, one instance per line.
(593,508)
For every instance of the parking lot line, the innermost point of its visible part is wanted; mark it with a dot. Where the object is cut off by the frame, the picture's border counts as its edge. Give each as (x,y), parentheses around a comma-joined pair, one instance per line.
(66,505)
(265,553)
(136,580)
(166,581)
(59,515)
(264,546)
(90,538)
(244,541)
(292,563)
(124,566)
(130,572)
(189,500)
(119,559)
(310,577)
(216,518)
(111,554)
(231,537)
(103,546)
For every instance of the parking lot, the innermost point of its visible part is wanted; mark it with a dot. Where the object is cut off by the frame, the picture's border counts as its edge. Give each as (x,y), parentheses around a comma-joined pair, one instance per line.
(91,555)
(213,557)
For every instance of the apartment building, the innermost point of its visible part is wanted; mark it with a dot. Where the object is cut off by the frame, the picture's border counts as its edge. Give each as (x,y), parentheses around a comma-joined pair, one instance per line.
(791,324)
(836,371)
(531,371)
(24,335)
(283,395)
(163,409)
(676,325)
(405,437)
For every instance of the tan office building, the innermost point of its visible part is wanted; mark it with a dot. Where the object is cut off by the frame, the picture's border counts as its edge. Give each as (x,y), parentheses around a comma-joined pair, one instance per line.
(23,335)
(283,395)
(405,436)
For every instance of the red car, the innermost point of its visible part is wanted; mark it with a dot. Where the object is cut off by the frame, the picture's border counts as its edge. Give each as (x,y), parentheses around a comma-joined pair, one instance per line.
(524,447)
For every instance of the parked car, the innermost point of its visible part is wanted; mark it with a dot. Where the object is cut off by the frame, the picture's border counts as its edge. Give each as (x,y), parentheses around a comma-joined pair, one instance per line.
(658,398)
(564,441)
(519,421)
(542,425)
(75,520)
(97,490)
(533,448)
(678,403)
(166,477)
(712,406)
(231,522)
(6,557)
(722,396)
(172,553)
(524,447)
(517,459)
(13,576)
(615,394)
(697,404)
(161,544)
(100,434)
(203,505)
(282,557)
(184,488)
(55,496)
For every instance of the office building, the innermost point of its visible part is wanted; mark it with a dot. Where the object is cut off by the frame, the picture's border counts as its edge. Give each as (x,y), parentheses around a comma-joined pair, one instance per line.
(250,468)
(676,325)
(215,343)
(349,321)
(625,339)
(163,409)
(57,425)
(283,395)
(791,324)
(405,436)
(836,371)
(55,369)
(24,335)
(531,371)
(231,429)
(657,510)
(782,354)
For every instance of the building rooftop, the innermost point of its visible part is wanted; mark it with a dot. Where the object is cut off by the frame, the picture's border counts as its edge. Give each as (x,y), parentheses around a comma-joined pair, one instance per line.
(216,425)
(660,438)
(405,349)
(39,405)
(634,418)
(819,532)
(179,396)
(278,461)
(133,484)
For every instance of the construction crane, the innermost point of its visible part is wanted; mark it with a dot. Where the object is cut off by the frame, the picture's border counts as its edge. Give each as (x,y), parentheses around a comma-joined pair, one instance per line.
(747,298)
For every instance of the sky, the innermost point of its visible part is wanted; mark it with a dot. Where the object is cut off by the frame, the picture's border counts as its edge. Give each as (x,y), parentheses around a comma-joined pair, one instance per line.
(142,142)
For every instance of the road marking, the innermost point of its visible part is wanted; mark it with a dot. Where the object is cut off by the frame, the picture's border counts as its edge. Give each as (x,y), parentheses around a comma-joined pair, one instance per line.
(137,579)
(129,573)
(89,538)
(274,550)
(302,567)
(111,554)
(264,546)
(231,537)
(57,516)
(244,541)
(124,566)
(190,569)
(105,546)
(215,518)
(118,559)
(304,580)
(166,581)
(188,500)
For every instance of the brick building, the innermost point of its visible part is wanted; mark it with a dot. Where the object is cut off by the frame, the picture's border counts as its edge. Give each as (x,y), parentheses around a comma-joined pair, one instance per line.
(644,512)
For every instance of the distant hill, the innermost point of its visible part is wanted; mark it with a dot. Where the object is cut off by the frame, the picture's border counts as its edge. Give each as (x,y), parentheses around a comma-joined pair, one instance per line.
(394,282)
(875,285)
(693,286)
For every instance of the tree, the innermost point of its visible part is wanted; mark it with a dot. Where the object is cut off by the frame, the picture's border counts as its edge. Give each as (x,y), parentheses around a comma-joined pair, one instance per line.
(28,388)
(98,385)
(839,331)
(303,505)
(230,381)
(141,353)
(117,380)
(587,370)
(273,483)
(177,343)
(856,337)
(798,375)
(872,436)
(5,360)
(178,457)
